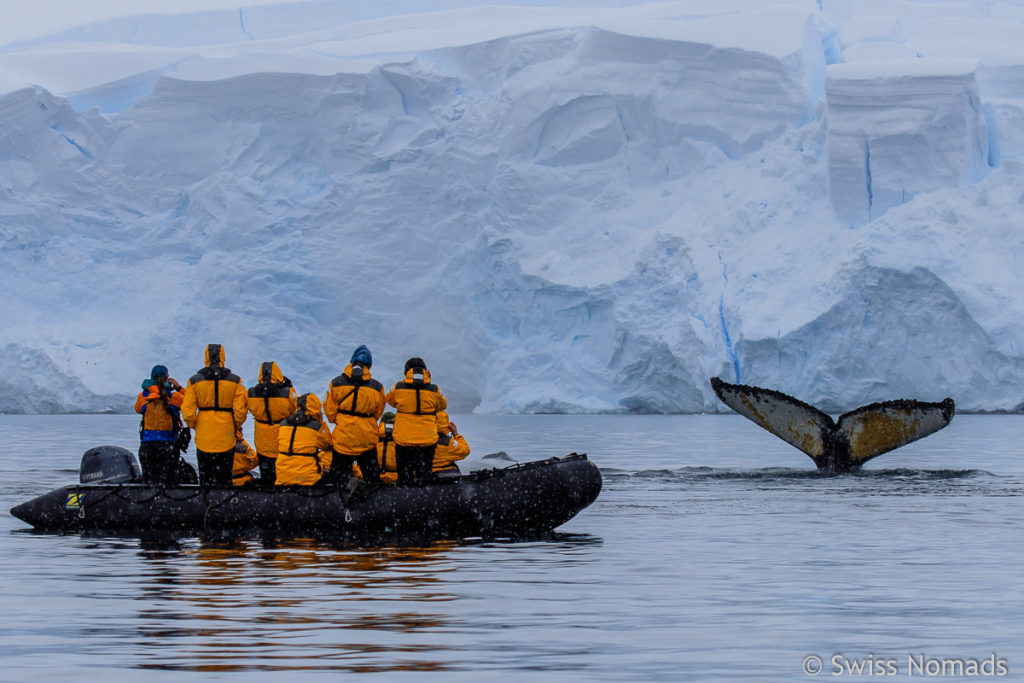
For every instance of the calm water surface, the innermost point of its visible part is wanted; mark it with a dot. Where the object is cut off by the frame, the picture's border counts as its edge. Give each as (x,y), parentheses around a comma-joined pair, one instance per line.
(715,552)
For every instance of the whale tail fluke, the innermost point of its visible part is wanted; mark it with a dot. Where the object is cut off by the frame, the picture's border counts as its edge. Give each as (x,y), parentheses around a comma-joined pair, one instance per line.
(881,427)
(855,438)
(795,422)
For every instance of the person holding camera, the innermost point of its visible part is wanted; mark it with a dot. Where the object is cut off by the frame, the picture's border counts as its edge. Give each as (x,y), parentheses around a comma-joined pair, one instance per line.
(451,446)
(159,404)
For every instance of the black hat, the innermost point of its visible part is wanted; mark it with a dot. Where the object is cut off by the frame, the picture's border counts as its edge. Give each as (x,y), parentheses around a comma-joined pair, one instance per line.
(415,363)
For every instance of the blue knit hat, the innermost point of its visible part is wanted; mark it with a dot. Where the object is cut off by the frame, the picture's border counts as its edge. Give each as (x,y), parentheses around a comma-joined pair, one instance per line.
(158,371)
(362,355)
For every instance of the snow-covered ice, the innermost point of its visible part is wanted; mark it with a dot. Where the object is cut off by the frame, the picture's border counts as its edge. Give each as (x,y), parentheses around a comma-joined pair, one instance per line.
(897,128)
(561,207)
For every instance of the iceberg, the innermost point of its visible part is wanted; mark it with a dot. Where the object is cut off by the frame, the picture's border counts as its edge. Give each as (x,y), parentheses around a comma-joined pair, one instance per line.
(560,208)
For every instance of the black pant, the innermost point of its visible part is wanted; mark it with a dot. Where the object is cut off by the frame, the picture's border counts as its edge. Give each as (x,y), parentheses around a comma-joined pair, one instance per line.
(268,470)
(159,460)
(341,469)
(368,465)
(215,468)
(186,474)
(414,463)
(341,466)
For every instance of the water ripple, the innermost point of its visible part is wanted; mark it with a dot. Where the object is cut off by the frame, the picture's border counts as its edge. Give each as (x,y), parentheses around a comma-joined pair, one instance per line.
(697,562)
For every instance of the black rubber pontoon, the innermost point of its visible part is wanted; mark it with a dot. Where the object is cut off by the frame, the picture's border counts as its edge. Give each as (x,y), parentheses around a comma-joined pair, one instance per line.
(520,500)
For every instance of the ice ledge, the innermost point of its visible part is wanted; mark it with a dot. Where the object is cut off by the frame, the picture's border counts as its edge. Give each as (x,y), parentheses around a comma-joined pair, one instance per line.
(899,128)
(878,72)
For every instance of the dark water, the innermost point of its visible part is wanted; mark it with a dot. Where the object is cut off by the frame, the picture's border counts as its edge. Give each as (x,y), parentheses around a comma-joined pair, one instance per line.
(715,552)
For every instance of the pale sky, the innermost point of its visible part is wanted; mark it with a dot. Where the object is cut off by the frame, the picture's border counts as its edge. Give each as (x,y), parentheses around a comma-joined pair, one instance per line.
(23,19)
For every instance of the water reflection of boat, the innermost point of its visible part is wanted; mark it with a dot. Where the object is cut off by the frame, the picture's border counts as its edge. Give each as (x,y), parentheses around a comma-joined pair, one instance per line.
(297,604)
(520,500)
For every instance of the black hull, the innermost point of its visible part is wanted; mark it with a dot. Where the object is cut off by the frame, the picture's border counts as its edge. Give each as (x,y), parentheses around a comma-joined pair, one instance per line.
(521,500)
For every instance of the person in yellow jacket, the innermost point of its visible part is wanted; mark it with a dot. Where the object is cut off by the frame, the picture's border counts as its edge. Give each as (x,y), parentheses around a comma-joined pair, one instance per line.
(386,449)
(245,461)
(304,445)
(354,402)
(159,404)
(271,400)
(214,407)
(451,446)
(417,402)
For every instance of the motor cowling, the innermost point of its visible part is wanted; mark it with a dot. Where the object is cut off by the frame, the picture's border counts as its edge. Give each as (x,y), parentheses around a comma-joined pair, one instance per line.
(109,465)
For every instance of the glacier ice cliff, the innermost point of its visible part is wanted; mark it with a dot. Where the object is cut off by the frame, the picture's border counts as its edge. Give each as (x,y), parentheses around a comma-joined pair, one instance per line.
(900,128)
(561,210)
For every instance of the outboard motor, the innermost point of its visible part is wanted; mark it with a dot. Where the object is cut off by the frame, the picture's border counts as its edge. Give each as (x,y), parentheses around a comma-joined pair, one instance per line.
(109,465)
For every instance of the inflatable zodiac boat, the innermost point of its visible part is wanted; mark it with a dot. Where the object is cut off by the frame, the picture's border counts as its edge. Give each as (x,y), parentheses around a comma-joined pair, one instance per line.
(520,500)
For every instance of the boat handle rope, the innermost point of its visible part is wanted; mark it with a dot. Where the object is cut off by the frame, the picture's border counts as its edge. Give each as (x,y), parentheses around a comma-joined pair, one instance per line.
(161,491)
(116,492)
(316,493)
(112,492)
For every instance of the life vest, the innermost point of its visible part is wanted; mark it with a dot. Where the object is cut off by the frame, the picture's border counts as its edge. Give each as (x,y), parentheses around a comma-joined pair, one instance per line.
(161,420)
(271,400)
(416,401)
(354,403)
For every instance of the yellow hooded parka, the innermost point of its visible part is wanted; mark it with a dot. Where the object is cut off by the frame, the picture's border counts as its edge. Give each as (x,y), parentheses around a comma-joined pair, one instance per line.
(450,448)
(416,401)
(214,404)
(354,402)
(271,400)
(303,445)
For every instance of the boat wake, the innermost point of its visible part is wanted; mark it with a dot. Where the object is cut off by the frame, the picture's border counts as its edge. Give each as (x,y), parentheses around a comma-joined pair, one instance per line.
(869,482)
(859,483)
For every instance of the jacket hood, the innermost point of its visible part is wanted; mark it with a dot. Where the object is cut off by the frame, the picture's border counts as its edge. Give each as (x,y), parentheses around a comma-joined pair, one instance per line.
(366,376)
(310,404)
(214,355)
(442,422)
(269,373)
(411,372)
